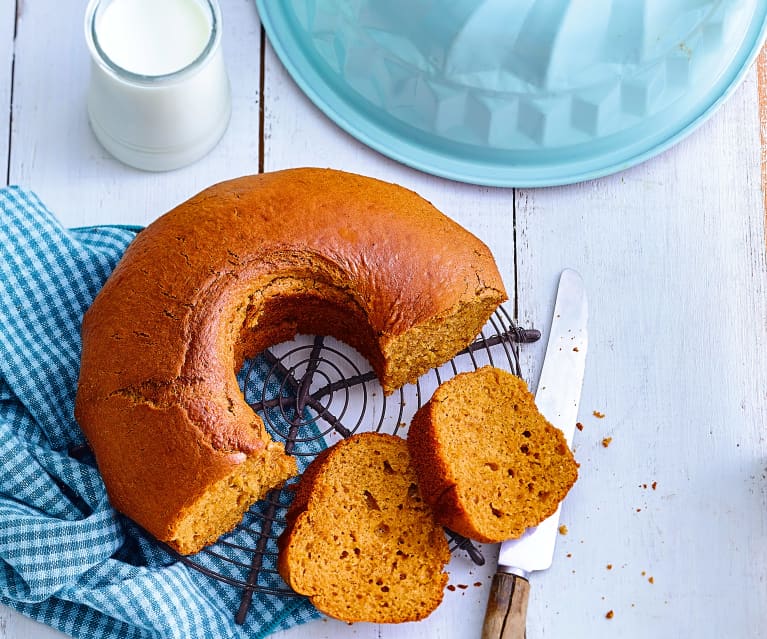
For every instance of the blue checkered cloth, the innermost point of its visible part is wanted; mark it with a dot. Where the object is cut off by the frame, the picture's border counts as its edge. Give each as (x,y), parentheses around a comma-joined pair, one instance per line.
(66,557)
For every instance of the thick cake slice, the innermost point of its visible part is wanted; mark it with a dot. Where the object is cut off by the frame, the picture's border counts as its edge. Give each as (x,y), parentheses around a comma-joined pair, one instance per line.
(360,541)
(487,461)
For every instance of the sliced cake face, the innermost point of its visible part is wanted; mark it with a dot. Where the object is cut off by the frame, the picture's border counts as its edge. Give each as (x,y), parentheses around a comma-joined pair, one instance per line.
(360,541)
(487,461)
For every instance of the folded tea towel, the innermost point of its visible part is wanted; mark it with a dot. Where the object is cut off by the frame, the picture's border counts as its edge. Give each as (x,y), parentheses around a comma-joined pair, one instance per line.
(66,557)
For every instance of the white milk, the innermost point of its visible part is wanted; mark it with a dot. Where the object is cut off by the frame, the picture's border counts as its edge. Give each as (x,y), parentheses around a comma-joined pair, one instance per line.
(159,94)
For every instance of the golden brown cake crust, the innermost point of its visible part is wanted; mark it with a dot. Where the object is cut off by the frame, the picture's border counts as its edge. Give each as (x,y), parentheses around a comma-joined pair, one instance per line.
(240,266)
(487,461)
(359,541)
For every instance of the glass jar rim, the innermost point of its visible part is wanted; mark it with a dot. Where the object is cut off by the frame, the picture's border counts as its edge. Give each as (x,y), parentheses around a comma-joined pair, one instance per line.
(101,57)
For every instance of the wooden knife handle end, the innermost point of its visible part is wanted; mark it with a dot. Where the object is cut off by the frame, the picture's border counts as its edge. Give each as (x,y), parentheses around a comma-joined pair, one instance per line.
(506,612)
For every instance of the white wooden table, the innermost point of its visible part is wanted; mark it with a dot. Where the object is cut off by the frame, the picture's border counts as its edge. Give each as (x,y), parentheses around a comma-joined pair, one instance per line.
(667,525)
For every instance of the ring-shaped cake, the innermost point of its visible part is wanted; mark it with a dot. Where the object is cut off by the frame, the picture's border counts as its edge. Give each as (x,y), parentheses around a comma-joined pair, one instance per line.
(241,266)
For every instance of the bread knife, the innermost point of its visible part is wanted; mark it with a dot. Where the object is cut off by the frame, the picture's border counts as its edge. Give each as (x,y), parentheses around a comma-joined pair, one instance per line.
(557,397)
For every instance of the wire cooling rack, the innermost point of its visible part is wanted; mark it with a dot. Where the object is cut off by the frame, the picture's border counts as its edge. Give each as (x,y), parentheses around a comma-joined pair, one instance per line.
(312,392)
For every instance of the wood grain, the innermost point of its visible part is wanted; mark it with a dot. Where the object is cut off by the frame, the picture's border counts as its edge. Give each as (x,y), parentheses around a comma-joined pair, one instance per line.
(673,256)
(506,615)
(7,51)
(55,152)
(296,133)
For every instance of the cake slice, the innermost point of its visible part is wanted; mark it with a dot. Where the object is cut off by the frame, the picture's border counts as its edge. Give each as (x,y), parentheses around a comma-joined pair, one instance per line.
(487,461)
(360,541)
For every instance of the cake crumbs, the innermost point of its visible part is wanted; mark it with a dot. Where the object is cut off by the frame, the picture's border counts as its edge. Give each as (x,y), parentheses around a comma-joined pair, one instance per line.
(563,529)
(463,586)
(569,554)
(606,441)
(477,584)
(575,349)
(451,587)
(609,566)
(579,426)
(651,580)
(610,614)
(654,485)
(643,573)
(598,415)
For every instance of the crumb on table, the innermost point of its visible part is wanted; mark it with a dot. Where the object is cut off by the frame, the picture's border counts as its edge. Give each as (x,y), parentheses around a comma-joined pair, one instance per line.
(579,426)
(563,529)
(598,415)
(606,441)
(610,614)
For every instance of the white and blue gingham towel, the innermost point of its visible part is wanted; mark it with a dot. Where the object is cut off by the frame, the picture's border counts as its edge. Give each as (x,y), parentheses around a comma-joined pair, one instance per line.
(66,557)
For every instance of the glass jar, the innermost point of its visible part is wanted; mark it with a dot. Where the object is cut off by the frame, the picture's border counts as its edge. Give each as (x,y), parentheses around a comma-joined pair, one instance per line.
(159,95)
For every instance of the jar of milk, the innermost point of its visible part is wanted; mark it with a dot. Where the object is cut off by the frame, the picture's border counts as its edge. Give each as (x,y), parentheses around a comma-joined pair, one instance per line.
(159,95)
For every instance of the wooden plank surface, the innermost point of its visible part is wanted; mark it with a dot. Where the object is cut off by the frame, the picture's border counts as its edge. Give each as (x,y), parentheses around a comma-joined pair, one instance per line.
(298,134)
(55,152)
(7,50)
(673,255)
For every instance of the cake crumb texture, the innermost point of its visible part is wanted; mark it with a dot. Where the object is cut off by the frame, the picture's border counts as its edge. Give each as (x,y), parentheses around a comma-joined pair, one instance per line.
(488,462)
(360,541)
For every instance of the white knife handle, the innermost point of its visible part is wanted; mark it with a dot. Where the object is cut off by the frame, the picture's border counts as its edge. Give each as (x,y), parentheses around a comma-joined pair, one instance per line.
(506,612)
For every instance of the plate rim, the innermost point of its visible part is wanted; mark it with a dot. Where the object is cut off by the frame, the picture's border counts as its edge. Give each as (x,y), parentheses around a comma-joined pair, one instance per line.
(349,119)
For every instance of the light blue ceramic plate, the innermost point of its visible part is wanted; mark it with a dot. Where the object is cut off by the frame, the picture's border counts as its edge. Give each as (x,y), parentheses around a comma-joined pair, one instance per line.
(517,92)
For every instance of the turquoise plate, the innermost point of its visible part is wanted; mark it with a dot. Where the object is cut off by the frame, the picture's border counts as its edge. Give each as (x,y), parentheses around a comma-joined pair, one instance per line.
(517,92)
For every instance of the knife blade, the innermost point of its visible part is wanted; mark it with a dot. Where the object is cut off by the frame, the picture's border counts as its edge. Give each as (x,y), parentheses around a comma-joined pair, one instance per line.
(557,398)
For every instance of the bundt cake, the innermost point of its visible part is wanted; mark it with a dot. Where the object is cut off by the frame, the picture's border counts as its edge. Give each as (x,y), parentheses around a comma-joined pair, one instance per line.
(487,461)
(360,541)
(241,266)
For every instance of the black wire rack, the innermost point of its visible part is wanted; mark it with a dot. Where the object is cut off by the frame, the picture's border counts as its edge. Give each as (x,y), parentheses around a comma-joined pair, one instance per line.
(312,392)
